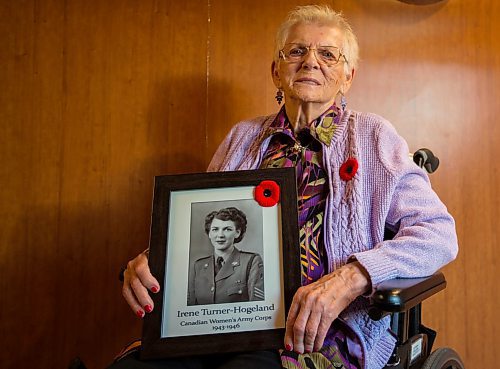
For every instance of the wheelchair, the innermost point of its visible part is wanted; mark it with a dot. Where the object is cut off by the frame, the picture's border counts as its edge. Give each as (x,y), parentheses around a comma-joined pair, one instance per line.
(402,299)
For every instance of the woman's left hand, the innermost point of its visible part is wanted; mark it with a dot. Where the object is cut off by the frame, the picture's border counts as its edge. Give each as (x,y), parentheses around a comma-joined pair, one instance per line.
(317,305)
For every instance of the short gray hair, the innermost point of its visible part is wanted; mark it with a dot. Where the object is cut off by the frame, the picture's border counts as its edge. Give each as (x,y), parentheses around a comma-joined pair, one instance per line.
(324,15)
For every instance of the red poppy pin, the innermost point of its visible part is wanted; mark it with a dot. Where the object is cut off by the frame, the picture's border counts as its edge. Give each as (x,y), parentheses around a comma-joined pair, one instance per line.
(348,169)
(267,193)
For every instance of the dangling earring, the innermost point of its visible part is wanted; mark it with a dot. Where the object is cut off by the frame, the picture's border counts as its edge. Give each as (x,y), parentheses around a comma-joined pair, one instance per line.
(279,96)
(343,101)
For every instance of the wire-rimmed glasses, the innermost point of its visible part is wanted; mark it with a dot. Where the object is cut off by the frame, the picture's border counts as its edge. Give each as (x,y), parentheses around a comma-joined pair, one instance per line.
(327,55)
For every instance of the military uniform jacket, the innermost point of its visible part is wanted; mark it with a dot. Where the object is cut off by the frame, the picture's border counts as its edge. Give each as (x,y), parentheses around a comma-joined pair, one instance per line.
(241,278)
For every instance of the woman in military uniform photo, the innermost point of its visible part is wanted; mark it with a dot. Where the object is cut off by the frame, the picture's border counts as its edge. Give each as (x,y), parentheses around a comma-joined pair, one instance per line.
(228,274)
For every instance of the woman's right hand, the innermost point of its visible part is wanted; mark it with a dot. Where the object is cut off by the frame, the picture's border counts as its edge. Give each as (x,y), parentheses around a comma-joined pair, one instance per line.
(137,280)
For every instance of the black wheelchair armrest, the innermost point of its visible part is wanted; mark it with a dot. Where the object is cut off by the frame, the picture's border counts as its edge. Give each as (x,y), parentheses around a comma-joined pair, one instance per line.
(402,294)
(401,298)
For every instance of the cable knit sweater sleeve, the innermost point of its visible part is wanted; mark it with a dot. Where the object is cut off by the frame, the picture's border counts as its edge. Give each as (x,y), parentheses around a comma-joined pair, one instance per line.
(425,237)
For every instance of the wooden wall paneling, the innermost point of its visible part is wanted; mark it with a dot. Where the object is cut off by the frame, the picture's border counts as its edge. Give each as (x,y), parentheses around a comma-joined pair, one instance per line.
(30,116)
(99,98)
(164,115)
(479,150)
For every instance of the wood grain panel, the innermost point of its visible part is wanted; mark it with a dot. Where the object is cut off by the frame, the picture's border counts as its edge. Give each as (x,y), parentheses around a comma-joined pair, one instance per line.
(97,98)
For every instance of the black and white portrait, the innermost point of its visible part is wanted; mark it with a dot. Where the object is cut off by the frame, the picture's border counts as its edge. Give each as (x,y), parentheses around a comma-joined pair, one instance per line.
(225,255)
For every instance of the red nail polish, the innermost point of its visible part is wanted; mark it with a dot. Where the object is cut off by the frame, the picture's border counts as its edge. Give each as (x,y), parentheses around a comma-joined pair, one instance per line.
(139,313)
(288,347)
(154,289)
(148,308)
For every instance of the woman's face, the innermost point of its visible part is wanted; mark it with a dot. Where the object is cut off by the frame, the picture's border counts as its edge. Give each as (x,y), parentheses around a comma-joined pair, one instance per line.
(309,80)
(222,234)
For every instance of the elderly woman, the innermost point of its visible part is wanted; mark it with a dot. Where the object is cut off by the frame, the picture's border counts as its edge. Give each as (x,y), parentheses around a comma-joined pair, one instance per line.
(354,181)
(228,274)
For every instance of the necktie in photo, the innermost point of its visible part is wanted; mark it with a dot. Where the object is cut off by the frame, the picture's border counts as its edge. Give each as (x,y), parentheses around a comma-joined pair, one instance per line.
(218,264)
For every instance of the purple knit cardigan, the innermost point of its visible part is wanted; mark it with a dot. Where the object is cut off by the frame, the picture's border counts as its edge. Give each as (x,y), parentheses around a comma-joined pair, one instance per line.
(387,190)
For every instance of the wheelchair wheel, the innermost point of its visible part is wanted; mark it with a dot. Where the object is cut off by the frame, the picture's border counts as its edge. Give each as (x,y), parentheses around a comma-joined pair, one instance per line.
(443,358)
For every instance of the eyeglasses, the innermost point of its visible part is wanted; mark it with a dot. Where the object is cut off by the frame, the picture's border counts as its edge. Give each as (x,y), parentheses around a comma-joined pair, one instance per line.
(327,55)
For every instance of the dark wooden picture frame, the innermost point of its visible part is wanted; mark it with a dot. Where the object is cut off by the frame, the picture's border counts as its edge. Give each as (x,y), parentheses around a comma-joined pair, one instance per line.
(226,338)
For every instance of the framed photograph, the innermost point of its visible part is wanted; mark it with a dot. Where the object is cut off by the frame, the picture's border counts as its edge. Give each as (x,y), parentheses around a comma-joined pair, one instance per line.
(224,248)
